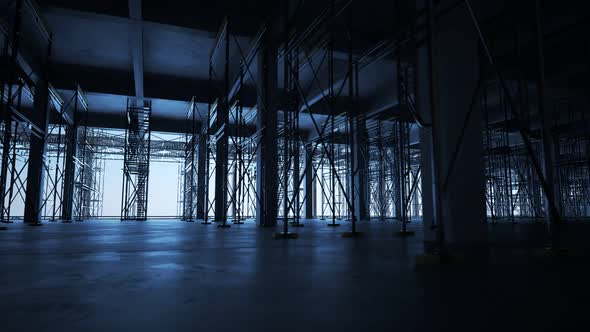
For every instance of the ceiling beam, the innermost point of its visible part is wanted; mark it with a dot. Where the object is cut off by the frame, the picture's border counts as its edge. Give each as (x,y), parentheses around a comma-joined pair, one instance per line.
(196,19)
(136,44)
(155,86)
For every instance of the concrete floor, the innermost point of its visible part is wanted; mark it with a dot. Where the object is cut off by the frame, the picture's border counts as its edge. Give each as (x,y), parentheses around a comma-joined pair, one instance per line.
(177,276)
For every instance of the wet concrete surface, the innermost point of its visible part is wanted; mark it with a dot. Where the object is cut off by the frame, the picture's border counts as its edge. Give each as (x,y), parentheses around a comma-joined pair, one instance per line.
(170,275)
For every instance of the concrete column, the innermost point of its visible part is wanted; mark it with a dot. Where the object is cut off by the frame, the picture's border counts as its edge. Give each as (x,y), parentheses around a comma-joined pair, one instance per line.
(70,172)
(550,142)
(201,175)
(266,121)
(396,171)
(36,175)
(296,178)
(361,184)
(221,145)
(234,181)
(428,188)
(554,162)
(309,190)
(455,76)
(188,186)
(88,181)
(221,166)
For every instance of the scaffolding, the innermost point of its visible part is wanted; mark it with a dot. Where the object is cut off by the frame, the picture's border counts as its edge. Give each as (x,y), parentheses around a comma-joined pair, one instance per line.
(230,167)
(319,90)
(17,90)
(55,157)
(331,154)
(136,162)
(188,174)
(15,151)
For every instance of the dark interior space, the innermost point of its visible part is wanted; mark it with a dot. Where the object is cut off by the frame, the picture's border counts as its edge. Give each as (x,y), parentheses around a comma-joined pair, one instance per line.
(294,165)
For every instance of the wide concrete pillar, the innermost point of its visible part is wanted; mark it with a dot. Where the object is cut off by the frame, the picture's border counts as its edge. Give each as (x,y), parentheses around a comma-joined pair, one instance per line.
(446,84)
(266,123)
(361,163)
(428,176)
(221,144)
(69,172)
(36,174)
(309,190)
(201,175)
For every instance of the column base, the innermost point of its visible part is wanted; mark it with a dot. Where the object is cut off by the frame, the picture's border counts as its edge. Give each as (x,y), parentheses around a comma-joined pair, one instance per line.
(353,234)
(333,225)
(35,224)
(283,235)
(405,233)
(439,259)
(221,225)
(560,254)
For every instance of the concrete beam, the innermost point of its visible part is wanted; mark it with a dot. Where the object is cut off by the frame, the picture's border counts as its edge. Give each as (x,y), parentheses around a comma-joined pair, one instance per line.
(171,125)
(136,44)
(155,86)
(198,20)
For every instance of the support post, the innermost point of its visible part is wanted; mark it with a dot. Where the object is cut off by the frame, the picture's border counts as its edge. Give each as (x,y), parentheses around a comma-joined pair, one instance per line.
(550,146)
(36,174)
(361,177)
(201,175)
(266,123)
(70,168)
(309,190)
(221,146)
(445,91)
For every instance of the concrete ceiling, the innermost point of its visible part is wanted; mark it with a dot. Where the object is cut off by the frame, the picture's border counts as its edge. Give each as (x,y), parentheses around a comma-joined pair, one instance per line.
(96,45)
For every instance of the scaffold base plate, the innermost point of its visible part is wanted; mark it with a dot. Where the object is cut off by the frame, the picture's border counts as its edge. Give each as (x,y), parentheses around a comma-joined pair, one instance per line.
(223,226)
(35,224)
(333,225)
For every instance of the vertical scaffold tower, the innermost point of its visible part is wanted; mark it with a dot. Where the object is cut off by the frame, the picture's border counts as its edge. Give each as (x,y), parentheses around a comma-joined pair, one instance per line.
(136,163)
